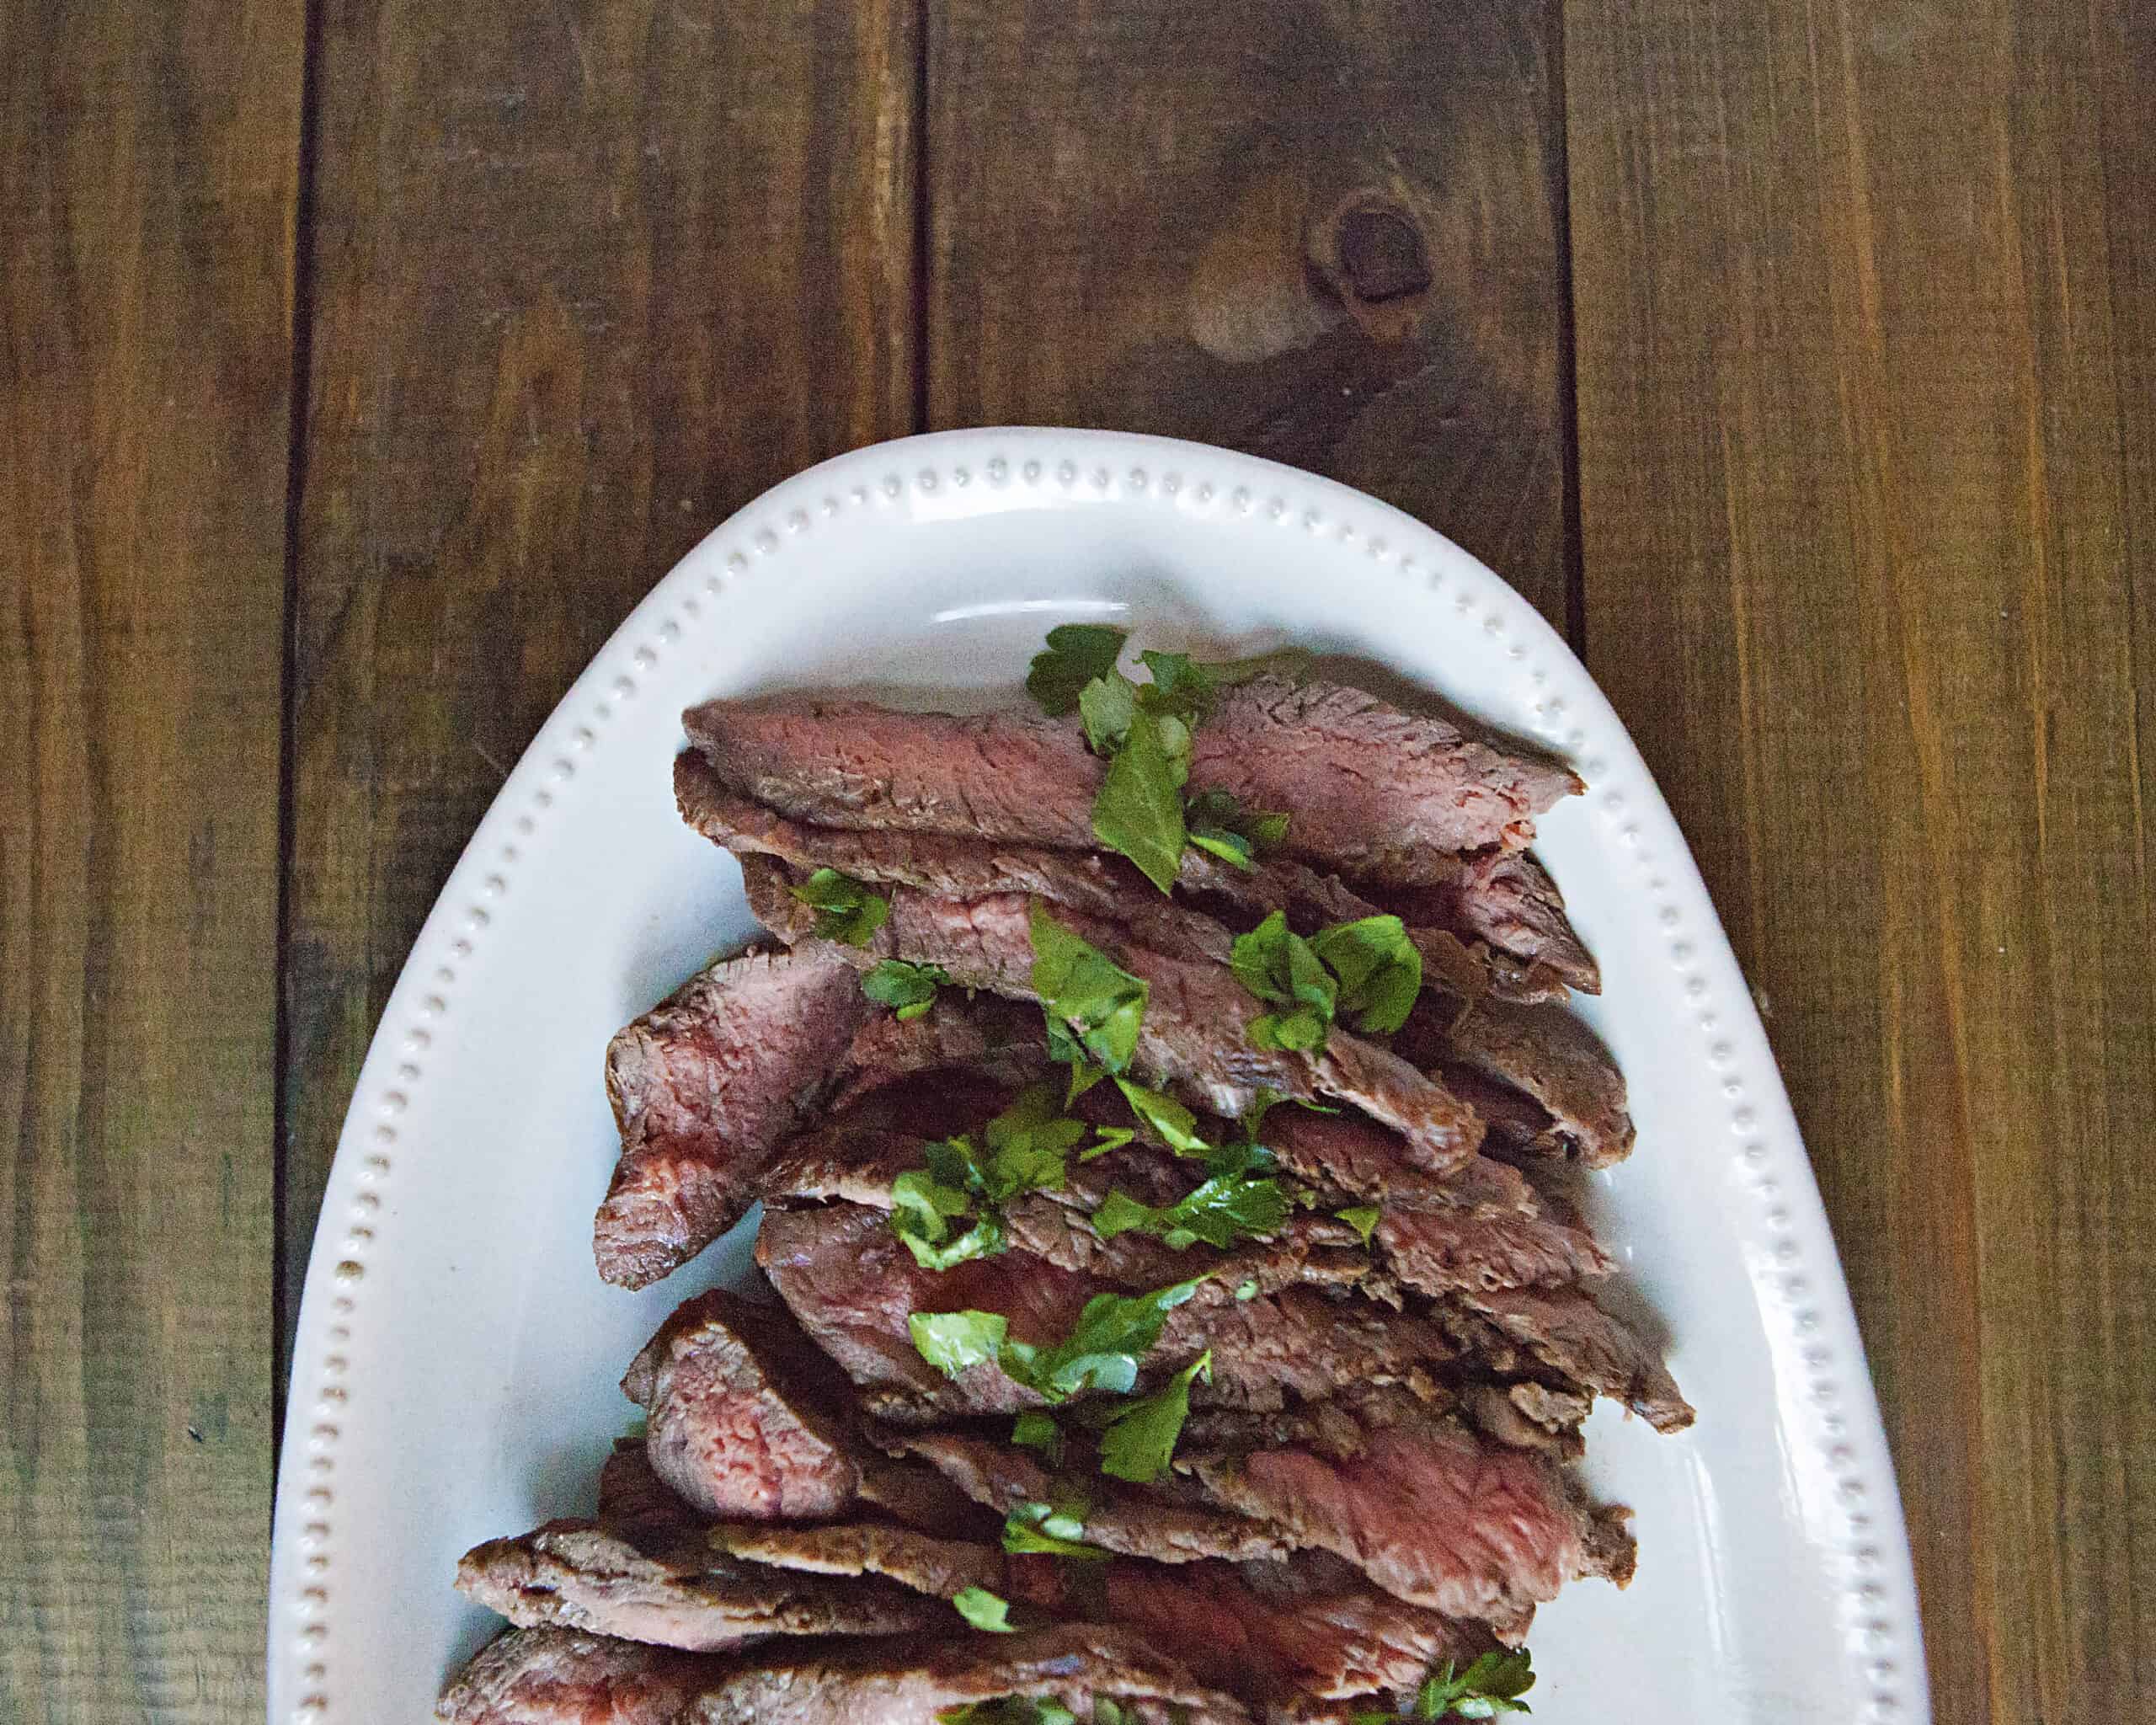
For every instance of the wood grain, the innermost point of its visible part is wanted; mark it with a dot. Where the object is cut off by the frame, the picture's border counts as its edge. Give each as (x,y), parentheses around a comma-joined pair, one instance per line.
(147,178)
(1864,300)
(1326,233)
(586,279)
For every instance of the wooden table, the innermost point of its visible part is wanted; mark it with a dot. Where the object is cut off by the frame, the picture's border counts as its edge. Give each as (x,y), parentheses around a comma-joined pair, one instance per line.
(364,362)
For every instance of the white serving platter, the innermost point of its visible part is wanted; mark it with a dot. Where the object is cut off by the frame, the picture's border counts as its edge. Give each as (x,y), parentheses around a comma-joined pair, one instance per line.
(454,1377)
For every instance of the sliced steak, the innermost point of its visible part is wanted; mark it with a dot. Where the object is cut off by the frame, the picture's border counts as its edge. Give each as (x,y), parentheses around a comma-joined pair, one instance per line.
(1370,790)
(1558,1093)
(1166,1521)
(1442,1248)
(853,1286)
(743,1418)
(704,1087)
(1505,898)
(567,1677)
(939,1567)
(1427,1509)
(1564,1330)
(556,1677)
(1098,884)
(1271,1632)
(1195,1033)
(573,1574)
(998,1040)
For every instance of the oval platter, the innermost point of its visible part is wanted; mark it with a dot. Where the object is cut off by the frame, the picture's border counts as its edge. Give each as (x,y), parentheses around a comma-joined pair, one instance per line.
(453,1377)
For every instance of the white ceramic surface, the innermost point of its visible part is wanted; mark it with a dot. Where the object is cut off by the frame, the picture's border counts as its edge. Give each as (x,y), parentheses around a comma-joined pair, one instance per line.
(454,1376)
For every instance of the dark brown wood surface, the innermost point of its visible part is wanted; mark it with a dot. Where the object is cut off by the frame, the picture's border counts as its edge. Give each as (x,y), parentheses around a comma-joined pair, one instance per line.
(1860,536)
(1868,505)
(148,178)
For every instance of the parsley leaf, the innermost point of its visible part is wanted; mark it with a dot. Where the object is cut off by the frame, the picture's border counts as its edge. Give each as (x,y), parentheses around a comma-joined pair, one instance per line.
(1175,1124)
(953,1342)
(1492,1684)
(1083,991)
(1054,1530)
(1247,1289)
(1138,1445)
(1113,1333)
(910,989)
(1216,822)
(983,1610)
(1362,1219)
(1036,1430)
(1280,967)
(1107,706)
(1028,1144)
(1380,970)
(1139,808)
(1020,1710)
(1226,1208)
(846,911)
(1076,656)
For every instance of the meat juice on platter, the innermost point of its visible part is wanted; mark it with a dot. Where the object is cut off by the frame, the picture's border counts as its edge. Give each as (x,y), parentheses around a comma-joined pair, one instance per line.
(1162,1097)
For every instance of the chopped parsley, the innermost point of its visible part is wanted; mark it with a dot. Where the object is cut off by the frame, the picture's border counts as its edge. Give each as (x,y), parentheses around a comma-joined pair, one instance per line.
(1113,1332)
(908,989)
(1140,1441)
(1025,1709)
(1076,656)
(1492,1684)
(1143,732)
(1053,1530)
(946,1211)
(1362,1219)
(846,911)
(1094,1006)
(984,1609)
(1226,1208)
(1367,969)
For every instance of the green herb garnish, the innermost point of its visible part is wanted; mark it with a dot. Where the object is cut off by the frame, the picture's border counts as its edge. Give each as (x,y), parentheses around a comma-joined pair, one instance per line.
(908,989)
(1021,1709)
(1379,968)
(1113,1332)
(1139,808)
(1280,967)
(1490,1685)
(846,911)
(983,1610)
(1214,821)
(1096,1004)
(1034,1430)
(1055,1530)
(1138,1444)
(1226,1208)
(1076,654)
(1362,1219)
(1027,1147)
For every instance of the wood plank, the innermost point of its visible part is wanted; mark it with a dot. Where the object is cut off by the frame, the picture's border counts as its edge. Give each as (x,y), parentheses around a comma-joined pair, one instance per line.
(148,169)
(586,279)
(1863,312)
(1324,233)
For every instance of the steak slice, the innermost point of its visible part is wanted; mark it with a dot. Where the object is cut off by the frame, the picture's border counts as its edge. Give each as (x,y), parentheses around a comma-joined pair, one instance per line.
(567,1677)
(574,1574)
(1195,1033)
(1096,883)
(1427,1509)
(1315,1629)
(997,1040)
(1370,790)
(556,1677)
(747,1421)
(1166,1521)
(1537,1074)
(853,1285)
(704,1086)
(1565,1330)
(939,1567)
(1506,899)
